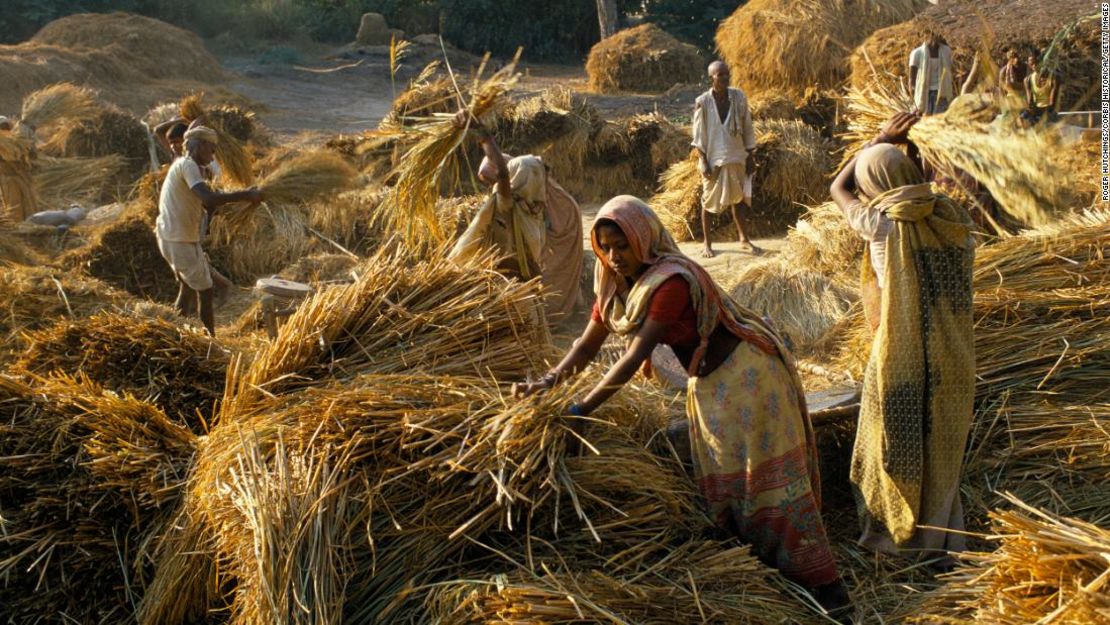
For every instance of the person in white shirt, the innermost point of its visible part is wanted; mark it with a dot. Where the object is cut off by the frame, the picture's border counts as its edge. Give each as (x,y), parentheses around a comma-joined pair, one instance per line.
(182,204)
(725,140)
(931,75)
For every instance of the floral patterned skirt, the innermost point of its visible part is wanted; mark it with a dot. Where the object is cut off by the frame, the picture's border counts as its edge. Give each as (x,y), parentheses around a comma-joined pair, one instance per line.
(756,463)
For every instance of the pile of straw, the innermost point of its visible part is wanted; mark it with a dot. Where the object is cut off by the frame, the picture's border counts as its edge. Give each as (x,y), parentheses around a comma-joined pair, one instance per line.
(35,296)
(803,304)
(124,253)
(643,58)
(822,242)
(180,370)
(235,161)
(57,103)
(777,44)
(86,477)
(772,104)
(59,182)
(110,132)
(307,176)
(1046,569)
(13,251)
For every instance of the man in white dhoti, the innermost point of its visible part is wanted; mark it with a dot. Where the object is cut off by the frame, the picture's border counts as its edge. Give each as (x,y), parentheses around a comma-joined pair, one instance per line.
(725,141)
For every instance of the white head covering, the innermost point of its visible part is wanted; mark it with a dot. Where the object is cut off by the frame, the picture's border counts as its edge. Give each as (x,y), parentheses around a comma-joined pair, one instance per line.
(203,133)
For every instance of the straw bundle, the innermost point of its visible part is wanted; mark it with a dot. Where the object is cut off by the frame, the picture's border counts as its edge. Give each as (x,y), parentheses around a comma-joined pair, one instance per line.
(410,207)
(36,296)
(249,242)
(395,318)
(642,58)
(772,104)
(110,131)
(15,149)
(85,477)
(124,253)
(1046,569)
(822,242)
(235,162)
(778,44)
(14,252)
(802,304)
(698,580)
(1011,164)
(557,125)
(61,181)
(58,103)
(181,371)
(307,176)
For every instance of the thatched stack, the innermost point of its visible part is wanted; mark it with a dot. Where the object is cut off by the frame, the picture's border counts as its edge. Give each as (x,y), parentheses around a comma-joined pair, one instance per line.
(86,478)
(645,59)
(60,182)
(1045,569)
(124,253)
(792,168)
(111,132)
(780,44)
(180,370)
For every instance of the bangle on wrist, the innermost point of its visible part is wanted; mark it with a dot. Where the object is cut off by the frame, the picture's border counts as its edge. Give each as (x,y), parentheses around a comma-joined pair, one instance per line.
(551,377)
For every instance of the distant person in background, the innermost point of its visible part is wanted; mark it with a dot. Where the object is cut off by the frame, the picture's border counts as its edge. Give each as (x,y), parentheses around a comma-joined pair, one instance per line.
(725,140)
(1041,89)
(170,135)
(1011,78)
(931,75)
(17,155)
(184,199)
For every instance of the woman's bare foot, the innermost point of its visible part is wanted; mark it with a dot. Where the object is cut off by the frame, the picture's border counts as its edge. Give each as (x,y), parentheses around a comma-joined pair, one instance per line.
(707,252)
(751,248)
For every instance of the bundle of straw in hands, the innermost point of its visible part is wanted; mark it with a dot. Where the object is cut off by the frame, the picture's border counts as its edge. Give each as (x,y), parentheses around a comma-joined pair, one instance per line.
(235,162)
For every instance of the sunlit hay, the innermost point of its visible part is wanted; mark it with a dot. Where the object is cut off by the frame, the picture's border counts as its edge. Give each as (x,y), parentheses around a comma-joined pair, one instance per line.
(642,58)
(1045,569)
(793,46)
(56,103)
(60,182)
(802,304)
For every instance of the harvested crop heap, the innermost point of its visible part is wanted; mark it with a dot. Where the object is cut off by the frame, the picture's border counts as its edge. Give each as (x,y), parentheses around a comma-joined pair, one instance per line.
(643,58)
(779,44)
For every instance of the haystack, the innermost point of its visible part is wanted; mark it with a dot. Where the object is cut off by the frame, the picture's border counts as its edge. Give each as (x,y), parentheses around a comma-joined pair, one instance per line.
(87,478)
(643,58)
(779,44)
(111,132)
(179,370)
(822,242)
(61,182)
(803,304)
(124,253)
(119,54)
(772,104)
(58,103)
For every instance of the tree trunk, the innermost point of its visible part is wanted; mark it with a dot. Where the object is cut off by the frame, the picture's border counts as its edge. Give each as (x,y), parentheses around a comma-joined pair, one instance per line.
(607,17)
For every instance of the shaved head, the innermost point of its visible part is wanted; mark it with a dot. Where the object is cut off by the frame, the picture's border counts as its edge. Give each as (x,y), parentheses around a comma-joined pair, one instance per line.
(716,66)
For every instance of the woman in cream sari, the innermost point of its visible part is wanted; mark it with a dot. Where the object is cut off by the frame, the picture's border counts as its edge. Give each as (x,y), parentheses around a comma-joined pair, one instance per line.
(750,434)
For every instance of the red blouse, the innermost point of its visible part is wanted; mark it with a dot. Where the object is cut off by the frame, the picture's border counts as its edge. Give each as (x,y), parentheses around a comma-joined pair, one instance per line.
(671,306)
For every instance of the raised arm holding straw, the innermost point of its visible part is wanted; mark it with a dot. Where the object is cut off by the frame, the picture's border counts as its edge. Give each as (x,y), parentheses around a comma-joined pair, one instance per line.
(182,204)
(529,218)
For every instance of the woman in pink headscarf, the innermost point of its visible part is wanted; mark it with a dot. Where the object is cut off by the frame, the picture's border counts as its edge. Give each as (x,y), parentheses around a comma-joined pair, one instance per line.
(752,442)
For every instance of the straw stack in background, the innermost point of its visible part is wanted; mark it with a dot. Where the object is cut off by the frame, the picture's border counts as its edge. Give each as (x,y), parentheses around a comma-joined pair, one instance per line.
(644,58)
(59,182)
(62,102)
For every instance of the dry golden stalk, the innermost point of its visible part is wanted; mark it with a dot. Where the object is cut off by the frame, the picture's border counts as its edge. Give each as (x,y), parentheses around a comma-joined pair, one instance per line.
(57,103)
(62,181)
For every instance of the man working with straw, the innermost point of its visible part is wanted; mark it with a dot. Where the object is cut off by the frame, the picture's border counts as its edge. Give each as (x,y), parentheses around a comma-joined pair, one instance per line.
(931,75)
(184,198)
(725,140)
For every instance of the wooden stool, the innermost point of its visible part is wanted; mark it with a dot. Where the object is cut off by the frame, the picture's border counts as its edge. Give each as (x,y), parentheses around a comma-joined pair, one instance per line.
(279,299)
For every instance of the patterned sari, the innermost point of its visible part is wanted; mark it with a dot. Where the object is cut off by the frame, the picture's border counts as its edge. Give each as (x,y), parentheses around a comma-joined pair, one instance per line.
(753,444)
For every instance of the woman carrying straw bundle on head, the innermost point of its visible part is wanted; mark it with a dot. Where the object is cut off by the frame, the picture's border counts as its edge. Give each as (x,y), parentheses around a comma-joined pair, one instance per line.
(920,382)
(532,220)
(750,433)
